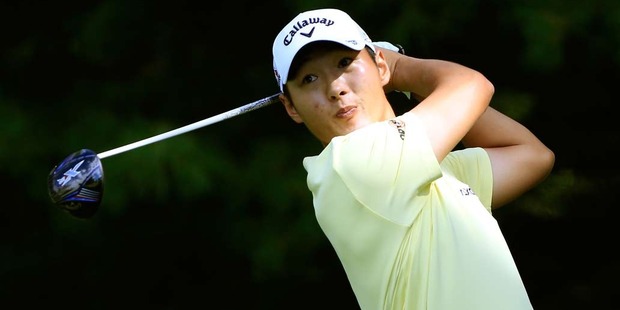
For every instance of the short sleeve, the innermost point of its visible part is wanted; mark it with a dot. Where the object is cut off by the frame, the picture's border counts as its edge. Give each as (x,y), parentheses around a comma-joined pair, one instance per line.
(386,164)
(473,167)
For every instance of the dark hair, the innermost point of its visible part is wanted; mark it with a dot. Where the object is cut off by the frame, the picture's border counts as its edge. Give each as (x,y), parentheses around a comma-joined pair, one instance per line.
(305,52)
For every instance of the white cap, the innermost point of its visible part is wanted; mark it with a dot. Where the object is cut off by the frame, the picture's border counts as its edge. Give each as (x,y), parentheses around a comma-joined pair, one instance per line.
(311,26)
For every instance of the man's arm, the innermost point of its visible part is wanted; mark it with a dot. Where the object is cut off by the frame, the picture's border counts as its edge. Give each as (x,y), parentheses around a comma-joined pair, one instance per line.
(452,97)
(519,159)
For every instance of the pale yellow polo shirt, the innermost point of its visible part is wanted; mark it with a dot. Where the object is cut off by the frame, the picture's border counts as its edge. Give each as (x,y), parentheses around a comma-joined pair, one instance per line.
(411,233)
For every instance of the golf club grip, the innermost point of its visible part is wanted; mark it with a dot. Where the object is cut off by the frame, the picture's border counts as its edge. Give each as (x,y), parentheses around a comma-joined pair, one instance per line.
(205,122)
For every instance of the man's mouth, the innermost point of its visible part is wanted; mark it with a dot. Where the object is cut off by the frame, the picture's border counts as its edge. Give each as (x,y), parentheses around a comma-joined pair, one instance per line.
(346,112)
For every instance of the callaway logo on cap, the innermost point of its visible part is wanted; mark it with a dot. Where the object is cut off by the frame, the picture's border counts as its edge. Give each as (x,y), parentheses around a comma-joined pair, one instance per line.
(312,26)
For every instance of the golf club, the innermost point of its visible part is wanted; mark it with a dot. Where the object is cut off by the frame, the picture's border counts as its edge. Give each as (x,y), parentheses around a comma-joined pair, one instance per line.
(76,184)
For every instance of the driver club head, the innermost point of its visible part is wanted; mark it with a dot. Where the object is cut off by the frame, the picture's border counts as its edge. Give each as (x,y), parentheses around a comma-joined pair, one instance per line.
(76,184)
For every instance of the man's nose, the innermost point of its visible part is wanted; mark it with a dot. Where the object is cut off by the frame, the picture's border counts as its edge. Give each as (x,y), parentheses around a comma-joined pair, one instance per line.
(337,88)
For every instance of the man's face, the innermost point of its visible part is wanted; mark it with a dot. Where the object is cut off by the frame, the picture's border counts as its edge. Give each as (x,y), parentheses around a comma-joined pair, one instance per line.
(337,91)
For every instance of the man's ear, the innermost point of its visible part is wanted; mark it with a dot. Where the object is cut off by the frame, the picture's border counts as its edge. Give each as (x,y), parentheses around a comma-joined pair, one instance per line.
(290,109)
(384,67)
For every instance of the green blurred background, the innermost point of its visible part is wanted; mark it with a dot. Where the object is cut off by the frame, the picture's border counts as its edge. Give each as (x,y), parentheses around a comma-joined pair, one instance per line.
(221,215)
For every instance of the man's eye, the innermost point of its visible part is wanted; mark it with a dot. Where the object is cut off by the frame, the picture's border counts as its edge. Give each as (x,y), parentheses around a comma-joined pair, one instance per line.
(308,79)
(345,62)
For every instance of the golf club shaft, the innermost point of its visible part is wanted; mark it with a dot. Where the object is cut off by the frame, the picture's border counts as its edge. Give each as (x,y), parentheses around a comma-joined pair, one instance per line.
(205,122)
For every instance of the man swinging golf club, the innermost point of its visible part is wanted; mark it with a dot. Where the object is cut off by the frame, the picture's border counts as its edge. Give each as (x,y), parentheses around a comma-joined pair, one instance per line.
(409,216)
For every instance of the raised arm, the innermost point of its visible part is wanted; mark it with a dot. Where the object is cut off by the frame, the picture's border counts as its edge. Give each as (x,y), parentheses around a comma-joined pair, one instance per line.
(454,107)
(519,159)
(452,96)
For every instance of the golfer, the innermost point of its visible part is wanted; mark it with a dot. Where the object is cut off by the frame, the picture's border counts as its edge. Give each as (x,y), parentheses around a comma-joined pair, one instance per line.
(408,213)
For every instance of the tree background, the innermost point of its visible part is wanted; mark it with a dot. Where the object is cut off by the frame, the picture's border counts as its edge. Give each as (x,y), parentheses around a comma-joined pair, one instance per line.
(221,215)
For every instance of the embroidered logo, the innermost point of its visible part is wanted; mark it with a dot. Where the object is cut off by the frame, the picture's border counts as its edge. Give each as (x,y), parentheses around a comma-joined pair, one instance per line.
(467,191)
(309,34)
(400,127)
(288,39)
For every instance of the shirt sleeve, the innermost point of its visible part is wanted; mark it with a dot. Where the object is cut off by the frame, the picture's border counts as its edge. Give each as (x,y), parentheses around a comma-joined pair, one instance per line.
(386,164)
(473,167)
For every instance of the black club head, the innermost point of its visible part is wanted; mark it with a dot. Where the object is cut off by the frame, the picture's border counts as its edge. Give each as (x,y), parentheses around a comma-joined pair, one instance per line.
(76,184)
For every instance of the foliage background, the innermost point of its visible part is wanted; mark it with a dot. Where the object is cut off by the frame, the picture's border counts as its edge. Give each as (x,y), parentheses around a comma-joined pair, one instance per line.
(222,215)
